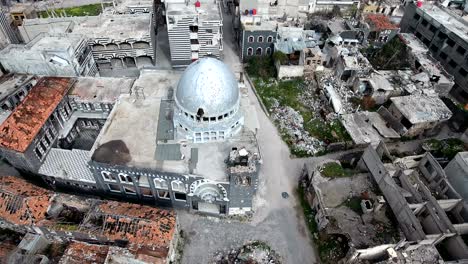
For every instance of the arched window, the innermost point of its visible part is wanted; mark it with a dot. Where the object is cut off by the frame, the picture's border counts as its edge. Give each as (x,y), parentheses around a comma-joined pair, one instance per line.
(125,178)
(249,52)
(258,52)
(270,39)
(251,39)
(178,186)
(160,184)
(260,39)
(268,51)
(107,176)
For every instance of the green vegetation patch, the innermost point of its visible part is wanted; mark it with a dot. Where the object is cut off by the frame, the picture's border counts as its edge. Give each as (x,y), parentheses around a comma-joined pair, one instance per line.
(85,10)
(334,170)
(354,203)
(446,148)
(392,56)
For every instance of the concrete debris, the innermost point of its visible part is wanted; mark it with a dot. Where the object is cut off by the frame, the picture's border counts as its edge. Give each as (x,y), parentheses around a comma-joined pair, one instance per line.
(291,123)
(256,252)
(342,93)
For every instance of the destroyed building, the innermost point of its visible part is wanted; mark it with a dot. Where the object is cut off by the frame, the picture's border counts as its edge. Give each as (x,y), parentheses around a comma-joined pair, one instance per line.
(381,30)
(350,65)
(350,32)
(348,207)
(301,49)
(21,11)
(132,6)
(57,55)
(457,173)
(194,29)
(391,8)
(114,49)
(414,115)
(408,116)
(93,231)
(445,34)
(316,6)
(366,127)
(427,69)
(13,90)
(194,147)
(427,207)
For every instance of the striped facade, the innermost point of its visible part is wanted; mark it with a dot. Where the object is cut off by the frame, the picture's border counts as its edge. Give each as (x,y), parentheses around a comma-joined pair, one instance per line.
(191,37)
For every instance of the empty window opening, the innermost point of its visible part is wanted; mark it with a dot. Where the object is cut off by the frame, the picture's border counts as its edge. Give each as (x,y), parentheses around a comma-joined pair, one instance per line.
(180,196)
(129,190)
(114,187)
(258,52)
(200,113)
(161,184)
(145,191)
(163,194)
(450,42)
(193,29)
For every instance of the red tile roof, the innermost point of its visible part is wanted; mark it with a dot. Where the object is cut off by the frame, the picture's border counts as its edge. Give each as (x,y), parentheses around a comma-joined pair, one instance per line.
(147,229)
(22,126)
(380,22)
(84,253)
(22,203)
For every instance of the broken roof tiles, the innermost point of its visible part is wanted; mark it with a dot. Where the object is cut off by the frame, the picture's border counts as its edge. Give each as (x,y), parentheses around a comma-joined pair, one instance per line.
(21,202)
(22,126)
(84,253)
(143,226)
(380,22)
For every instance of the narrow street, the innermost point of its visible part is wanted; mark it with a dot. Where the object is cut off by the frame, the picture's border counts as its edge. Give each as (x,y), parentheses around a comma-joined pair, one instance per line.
(276,220)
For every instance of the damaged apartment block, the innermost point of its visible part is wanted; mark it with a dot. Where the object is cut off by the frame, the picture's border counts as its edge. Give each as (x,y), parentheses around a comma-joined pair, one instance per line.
(427,207)
(380,198)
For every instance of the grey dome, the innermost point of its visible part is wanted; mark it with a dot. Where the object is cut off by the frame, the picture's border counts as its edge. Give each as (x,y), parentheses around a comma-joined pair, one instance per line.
(210,85)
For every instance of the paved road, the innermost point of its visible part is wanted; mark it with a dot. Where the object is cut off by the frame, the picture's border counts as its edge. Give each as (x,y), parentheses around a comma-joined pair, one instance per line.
(277,221)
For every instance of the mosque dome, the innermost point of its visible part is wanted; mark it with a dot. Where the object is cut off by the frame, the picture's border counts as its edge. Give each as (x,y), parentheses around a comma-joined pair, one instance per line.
(207,88)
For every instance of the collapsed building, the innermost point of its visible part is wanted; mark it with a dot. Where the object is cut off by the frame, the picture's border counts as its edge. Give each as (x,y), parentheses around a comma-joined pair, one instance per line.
(194,29)
(351,32)
(13,90)
(113,48)
(90,229)
(407,116)
(348,208)
(427,69)
(302,52)
(427,207)
(381,30)
(59,55)
(417,194)
(445,34)
(194,147)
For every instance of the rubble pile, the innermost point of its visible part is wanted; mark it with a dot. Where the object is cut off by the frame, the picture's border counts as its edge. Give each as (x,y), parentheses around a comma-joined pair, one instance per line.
(252,253)
(291,123)
(344,92)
